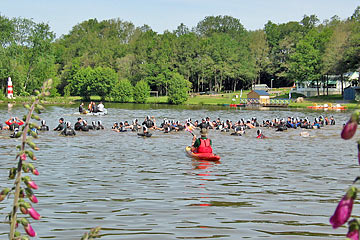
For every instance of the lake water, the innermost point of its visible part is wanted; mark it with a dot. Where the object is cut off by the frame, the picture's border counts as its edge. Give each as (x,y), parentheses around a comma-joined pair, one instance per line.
(283,187)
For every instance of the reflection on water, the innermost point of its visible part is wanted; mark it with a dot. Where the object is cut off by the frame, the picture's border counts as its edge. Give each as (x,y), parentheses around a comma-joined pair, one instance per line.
(284,187)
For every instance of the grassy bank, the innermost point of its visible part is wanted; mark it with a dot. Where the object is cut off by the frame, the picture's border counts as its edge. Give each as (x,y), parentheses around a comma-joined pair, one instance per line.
(48,100)
(213,99)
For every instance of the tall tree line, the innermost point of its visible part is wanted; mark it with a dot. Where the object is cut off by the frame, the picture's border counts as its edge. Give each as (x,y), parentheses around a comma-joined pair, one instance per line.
(109,58)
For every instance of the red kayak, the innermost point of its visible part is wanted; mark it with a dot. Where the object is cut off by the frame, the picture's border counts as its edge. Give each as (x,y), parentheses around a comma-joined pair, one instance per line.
(202,156)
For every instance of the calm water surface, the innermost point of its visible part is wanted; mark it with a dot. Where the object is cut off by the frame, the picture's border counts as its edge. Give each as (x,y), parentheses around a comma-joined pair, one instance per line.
(284,187)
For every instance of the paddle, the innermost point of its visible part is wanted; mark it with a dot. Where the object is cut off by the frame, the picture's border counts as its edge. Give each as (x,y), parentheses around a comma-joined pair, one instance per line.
(188,129)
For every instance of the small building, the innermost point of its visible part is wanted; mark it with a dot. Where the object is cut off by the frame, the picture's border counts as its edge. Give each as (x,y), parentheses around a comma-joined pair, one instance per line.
(332,85)
(260,87)
(352,93)
(259,96)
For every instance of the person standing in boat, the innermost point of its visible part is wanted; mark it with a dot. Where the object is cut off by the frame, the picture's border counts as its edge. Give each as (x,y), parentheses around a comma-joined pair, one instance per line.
(81,108)
(100,107)
(203,143)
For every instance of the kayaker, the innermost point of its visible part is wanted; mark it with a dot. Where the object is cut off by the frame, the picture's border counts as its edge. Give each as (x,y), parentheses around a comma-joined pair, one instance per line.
(43,126)
(202,144)
(61,125)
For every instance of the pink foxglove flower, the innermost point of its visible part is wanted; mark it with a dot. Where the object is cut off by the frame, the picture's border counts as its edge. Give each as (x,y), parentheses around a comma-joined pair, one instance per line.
(30,183)
(29,230)
(353,235)
(35,171)
(30,194)
(23,156)
(353,232)
(34,214)
(344,208)
(350,127)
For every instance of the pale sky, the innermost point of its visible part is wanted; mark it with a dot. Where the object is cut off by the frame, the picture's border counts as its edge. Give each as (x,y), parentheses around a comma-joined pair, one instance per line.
(163,15)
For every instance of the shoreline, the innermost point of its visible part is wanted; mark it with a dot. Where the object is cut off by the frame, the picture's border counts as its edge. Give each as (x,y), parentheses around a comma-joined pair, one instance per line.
(206,100)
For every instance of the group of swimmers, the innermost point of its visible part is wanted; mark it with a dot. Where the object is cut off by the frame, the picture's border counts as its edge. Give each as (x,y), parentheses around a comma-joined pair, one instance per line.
(81,125)
(237,128)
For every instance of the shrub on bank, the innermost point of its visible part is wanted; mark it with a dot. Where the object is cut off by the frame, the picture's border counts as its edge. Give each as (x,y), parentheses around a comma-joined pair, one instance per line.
(141,91)
(178,89)
(123,91)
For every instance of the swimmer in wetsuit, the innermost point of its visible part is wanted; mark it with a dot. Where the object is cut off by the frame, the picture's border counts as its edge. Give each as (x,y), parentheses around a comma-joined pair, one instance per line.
(43,126)
(68,131)
(61,125)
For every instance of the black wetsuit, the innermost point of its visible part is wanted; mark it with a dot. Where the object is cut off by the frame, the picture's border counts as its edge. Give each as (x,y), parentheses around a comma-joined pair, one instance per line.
(204,125)
(13,126)
(85,128)
(148,123)
(44,128)
(122,129)
(81,109)
(68,132)
(100,127)
(77,126)
(146,134)
(60,127)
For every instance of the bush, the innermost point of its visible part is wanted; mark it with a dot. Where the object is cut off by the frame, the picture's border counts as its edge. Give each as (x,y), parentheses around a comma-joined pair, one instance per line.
(123,91)
(178,89)
(141,91)
(98,81)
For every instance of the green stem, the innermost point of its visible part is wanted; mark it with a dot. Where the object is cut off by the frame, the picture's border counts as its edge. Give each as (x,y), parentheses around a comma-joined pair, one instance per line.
(18,176)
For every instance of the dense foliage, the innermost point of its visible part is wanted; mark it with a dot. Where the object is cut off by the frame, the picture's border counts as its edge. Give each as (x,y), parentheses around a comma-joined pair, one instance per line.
(217,54)
(141,91)
(123,91)
(178,89)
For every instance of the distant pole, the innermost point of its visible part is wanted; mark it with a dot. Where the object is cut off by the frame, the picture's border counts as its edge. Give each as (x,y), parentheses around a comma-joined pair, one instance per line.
(271,83)
(10,89)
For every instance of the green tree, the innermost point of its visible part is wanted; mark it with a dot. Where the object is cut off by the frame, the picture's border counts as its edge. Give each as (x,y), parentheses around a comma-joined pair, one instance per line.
(178,89)
(98,81)
(260,52)
(141,91)
(306,61)
(123,91)
(103,82)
